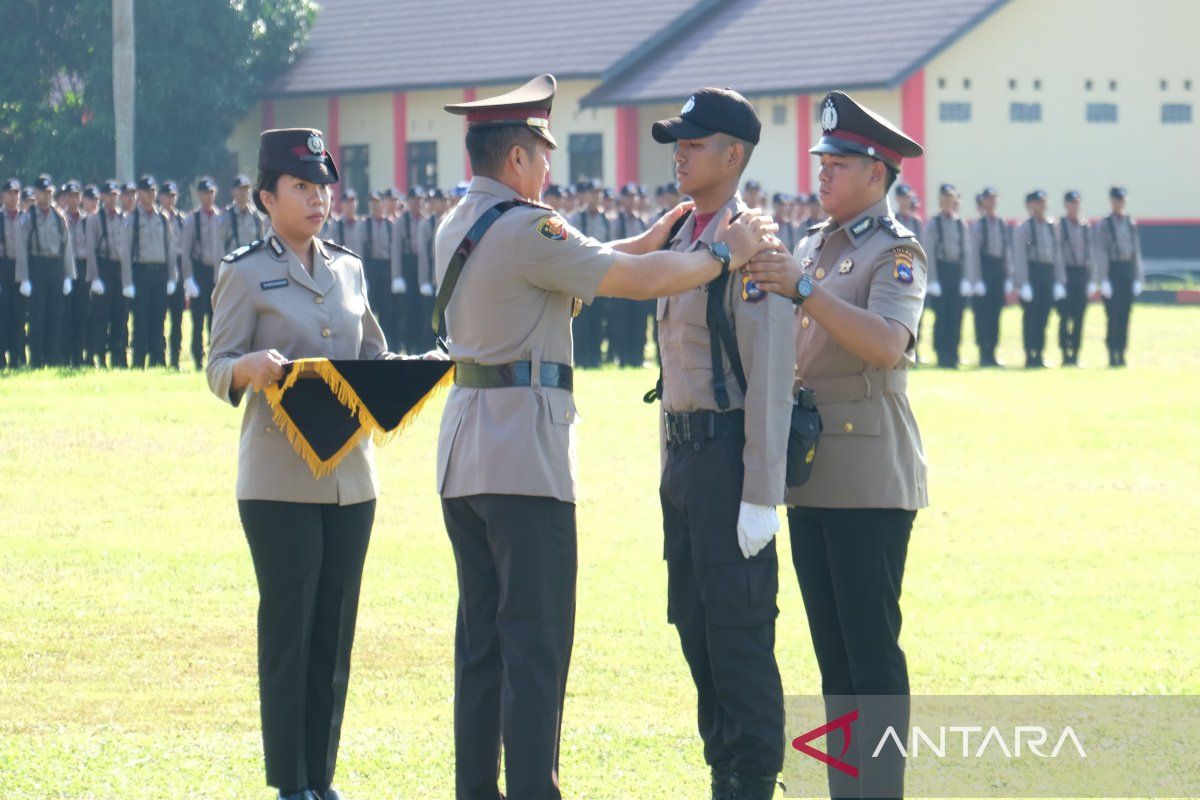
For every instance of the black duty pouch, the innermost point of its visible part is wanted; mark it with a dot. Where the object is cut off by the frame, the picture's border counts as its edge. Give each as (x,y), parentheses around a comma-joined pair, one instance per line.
(803,437)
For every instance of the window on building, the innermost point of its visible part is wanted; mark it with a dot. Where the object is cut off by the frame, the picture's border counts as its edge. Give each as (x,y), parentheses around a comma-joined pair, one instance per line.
(966,83)
(1162,85)
(354,171)
(1025,112)
(941,83)
(1101,112)
(1177,113)
(779,114)
(1037,84)
(422,164)
(954,112)
(1112,86)
(1187,85)
(585,156)
(1012,83)
(1088,84)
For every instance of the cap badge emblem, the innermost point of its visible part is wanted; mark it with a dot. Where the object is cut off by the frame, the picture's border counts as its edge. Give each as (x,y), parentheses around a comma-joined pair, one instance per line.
(316,145)
(829,118)
(689,105)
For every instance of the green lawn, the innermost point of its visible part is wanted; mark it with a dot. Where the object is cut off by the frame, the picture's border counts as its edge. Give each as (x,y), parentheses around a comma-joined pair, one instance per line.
(1060,555)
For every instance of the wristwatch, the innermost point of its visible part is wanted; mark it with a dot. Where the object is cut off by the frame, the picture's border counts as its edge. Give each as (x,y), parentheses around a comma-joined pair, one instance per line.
(721,253)
(804,288)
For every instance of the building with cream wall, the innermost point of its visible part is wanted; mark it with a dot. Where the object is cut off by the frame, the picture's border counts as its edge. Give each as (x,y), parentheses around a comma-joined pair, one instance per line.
(1108,88)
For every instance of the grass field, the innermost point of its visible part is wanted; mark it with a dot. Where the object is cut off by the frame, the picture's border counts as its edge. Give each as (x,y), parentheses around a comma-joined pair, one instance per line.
(1060,555)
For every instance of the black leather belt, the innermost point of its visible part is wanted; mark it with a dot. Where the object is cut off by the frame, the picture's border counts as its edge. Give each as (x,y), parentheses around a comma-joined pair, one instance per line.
(699,426)
(518,373)
(149,263)
(1042,264)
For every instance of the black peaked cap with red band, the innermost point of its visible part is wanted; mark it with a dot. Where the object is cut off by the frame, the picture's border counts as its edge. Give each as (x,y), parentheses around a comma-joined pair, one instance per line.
(849,128)
(528,106)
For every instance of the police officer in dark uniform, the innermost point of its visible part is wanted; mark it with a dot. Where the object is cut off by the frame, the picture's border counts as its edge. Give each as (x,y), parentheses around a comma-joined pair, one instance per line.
(1078,253)
(858,282)
(951,261)
(377,258)
(411,324)
(168,198)
(110,285)
(1119,253)
(149,256)
(14,270)
(992,248)
(51,274)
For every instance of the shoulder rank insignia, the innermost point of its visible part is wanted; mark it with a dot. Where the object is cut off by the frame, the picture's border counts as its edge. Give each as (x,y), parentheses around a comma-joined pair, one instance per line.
(896,228)
(862,226)
(820,226)
(751,293)
(902,270)
(552,228)
(242,251)
(342,248)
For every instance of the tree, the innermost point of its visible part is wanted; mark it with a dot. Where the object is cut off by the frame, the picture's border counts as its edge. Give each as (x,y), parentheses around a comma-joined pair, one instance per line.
(200,67)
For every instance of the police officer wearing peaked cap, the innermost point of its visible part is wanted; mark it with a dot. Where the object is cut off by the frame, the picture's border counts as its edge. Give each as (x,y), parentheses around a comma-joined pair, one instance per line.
(512,273)
(858,281)
(287,296)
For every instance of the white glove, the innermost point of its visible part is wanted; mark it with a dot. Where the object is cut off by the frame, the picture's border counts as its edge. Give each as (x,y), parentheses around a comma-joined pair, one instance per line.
(26,289)
(67,284)
(128,292)
(1091,289)
(427,290)
(191,288)
(97,286)
(965,288)
(934,290)
(1137,288)
(1008,287)
(757,526)
(1027,293)
(1060,292)
(399,286)
(1106,290)
(980,289)
(170,287)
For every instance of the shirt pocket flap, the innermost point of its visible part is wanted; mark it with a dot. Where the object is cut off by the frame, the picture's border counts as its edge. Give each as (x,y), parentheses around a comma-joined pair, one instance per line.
(852,418)
(562,407)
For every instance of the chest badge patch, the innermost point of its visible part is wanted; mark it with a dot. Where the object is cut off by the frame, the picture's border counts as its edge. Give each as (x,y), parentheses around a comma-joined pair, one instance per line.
(751,292)
(552,228)
(806,262)
(845,267)
(903,269)
(275,284)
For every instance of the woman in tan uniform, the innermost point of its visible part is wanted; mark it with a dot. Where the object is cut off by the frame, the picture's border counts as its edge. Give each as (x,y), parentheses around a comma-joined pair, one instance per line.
(291,295)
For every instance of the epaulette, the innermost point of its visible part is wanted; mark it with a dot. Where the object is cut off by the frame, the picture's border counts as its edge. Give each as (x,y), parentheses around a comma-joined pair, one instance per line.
(818,227)
(243,251)
(893,226)
(343,248)
(537,204)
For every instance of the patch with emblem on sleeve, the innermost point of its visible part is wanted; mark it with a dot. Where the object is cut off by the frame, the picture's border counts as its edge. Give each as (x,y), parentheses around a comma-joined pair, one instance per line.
(903,269)
(751,292)
(276,284)
(552,228)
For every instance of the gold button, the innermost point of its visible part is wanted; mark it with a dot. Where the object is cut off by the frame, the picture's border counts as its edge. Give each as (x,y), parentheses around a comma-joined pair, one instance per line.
(804,322)
(567,416)
(325,332)
(318,299)
(267,429)
(848,427)
(820,273)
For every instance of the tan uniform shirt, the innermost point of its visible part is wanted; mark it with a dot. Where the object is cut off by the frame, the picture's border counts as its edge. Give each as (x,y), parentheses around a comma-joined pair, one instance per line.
(143,241)
(78,225)
(378,239)
(104,232)
(203,240)
(47,235)
(513,302)
(404,243)
(1035,241)
(762,323)
(1076,245)
(12,245)
(946,240)
(350,234)
(426,242)
(1117,240)
(242,227)
(990,238)
(870,454)
(266,299)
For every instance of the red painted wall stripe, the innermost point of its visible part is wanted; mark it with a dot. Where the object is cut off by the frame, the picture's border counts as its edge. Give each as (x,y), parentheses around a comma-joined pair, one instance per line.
(333,133)
(400,140)
(912,122)
(627,145)
(268,115)
(468,96)
(803,143)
